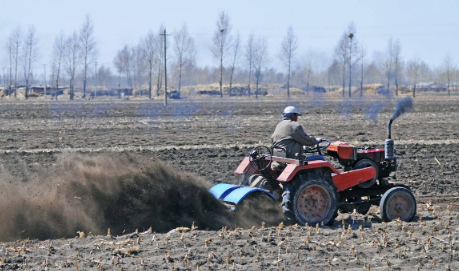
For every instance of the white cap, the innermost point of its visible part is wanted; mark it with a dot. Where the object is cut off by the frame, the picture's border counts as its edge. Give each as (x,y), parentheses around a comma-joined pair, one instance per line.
(291,110)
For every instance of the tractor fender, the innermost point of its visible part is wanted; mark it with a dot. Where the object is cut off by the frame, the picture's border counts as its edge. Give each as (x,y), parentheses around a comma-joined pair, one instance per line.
(291,170)
(234,194)
(243,166)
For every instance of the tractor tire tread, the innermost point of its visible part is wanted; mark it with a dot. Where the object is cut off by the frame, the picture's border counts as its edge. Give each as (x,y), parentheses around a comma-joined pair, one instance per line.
(292,188)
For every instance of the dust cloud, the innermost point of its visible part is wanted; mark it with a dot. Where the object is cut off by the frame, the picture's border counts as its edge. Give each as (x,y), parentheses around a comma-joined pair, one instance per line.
(94,193)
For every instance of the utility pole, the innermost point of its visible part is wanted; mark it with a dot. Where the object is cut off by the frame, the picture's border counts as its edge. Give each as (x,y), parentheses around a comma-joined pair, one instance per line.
(165,67)
(95,76)
(350,63)
(44,66)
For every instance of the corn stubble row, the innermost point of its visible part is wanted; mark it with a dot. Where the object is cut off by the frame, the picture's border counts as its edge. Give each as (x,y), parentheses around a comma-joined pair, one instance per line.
(395,244)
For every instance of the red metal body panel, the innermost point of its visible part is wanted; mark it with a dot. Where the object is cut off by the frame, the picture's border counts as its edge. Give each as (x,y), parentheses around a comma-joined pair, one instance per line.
(242,166)
(370,151)
(343,149)
(342,181)
(291,170)
(352,178)
(376,155)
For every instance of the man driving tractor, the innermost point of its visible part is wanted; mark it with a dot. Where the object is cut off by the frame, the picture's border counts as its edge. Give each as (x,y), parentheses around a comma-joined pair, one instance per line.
(311,189)
(289,137)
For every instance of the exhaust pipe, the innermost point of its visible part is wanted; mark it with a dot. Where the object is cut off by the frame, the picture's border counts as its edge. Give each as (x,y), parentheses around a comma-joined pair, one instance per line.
(389,129)
(403,105)
(389,145)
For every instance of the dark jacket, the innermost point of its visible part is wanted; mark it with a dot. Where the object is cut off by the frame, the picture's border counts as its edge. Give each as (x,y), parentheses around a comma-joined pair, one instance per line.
(291,136)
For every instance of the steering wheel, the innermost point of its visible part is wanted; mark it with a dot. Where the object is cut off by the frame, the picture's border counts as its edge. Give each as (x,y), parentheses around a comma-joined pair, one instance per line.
(257,157)
(321,146)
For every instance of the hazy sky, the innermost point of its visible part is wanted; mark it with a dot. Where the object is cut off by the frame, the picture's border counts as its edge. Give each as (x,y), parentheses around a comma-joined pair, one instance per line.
(426,29)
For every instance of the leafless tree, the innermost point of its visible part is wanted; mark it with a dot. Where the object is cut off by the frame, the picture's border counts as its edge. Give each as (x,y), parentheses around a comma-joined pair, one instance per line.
(221,42)
(104,76)
(72,59)
(260,59)
(9,46)
(342,55)
(397,51)
(308,69)
(123,64)
(119,65)
(362,62)
(334,73)
(346,54)
(30,55)
(150,51)
(88,48)
(448,69)
(249,54)
(185,52)
(288,48)
(137,66)
(235,57)
(16,43)
(389,61)
(353,52)
(413,71)
(58,57)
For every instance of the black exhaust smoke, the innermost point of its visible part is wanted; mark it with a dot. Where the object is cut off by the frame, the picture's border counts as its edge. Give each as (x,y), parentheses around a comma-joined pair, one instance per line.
(403,105)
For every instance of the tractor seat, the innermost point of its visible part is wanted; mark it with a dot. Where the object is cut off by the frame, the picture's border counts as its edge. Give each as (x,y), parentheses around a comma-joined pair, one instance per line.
(315,158)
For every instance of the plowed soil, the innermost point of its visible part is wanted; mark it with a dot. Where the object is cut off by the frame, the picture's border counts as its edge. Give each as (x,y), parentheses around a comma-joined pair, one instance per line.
(209,138)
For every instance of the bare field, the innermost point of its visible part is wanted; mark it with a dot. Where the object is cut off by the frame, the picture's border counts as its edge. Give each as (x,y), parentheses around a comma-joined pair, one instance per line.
(208,138)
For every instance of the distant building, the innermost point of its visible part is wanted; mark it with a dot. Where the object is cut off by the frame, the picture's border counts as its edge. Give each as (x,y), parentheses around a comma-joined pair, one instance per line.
(430,86)
(52,91)
(112,92)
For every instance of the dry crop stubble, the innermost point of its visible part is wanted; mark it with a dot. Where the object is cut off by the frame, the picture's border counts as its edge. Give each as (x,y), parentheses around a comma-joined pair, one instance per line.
(421,136)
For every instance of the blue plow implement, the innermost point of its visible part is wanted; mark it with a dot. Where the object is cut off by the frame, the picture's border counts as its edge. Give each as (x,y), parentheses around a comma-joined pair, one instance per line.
(234,194)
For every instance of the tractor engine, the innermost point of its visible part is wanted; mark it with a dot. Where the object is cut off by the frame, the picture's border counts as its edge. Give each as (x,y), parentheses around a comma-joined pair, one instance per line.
(384,160)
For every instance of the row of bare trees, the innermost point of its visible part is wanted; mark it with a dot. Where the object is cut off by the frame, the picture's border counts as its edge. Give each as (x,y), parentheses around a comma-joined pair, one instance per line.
(22,52)
(144,61)
(68,54)
(254,52)
(242,62)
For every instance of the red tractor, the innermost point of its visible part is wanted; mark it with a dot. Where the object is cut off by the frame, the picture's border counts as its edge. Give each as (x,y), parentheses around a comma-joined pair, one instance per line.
(311,190)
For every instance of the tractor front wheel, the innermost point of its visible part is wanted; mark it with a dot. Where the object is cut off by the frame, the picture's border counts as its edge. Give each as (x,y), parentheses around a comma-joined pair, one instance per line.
(310,198)
(398,202)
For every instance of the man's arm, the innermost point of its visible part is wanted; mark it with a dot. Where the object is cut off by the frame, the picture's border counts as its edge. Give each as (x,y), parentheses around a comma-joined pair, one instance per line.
(303,138)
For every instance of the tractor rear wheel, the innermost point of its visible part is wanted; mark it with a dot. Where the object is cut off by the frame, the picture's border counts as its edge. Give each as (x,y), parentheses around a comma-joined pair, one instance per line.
(310,198)
(398,202)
